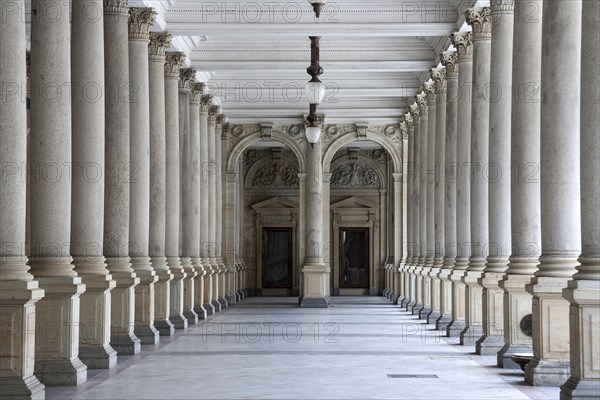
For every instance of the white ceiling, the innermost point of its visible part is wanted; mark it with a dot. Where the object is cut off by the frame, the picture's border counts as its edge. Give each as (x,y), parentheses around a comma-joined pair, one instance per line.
(254,54)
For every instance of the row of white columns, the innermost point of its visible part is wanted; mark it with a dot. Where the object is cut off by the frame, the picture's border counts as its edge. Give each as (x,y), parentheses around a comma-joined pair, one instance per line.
(119,243)
(503,191)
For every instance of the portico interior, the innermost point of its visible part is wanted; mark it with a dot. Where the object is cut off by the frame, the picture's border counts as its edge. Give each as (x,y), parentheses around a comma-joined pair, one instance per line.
(159,181)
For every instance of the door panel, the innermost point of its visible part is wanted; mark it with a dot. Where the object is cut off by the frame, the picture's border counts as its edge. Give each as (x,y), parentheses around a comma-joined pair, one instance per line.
(354,257)
(277,258)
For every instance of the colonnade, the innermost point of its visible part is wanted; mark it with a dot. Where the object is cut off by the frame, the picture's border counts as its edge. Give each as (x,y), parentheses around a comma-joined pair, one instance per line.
(503,191)
(111,213)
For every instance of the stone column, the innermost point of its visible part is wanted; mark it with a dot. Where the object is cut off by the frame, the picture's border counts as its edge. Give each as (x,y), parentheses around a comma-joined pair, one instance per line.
(219,210)
(424,119)
(194,192)
(449,175)
(189,121)
(87,214)
(583,291)
(56,361)
(525,182)
(159,42)
(410,208)
(174,60)
(480,20)
(211,286)
(415,112)
(315,273)
(560,191)
(441,86)
(204,306)
(18,291)
(464,50)
(118,177)
(140,20)
(429,181)
(498,176)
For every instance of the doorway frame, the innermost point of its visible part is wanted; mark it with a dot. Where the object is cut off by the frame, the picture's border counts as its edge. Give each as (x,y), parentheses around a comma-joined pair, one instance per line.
(290,247)
(367,260)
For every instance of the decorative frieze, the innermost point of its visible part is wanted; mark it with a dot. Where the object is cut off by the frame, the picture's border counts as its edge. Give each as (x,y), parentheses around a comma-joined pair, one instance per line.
(354,175)
(140,21)
(173,62)
(275,175)
(159,43)
(463,42)
(266,130)
(361,130)
(480,20)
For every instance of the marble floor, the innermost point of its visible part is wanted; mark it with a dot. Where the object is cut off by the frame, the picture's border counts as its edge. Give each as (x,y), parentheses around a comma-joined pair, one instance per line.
(268,348)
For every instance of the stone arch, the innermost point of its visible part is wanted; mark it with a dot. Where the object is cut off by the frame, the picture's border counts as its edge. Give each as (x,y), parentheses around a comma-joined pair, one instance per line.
(392,149)
(239,147)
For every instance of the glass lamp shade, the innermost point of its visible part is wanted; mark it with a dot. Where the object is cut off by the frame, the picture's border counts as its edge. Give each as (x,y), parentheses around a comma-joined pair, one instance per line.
(316,1)
(315,92)
(312,134)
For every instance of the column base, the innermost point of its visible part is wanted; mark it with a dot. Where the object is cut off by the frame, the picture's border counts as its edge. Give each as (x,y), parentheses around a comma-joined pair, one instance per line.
(455,328)
(574,388)
(14,388)
(470,335)
(231,299)
(224,303)
(314,302)
(147,334)
(489,345)
(98,357)
(424,312)
(201,311)
(547,372)
(416,308)
(178,321)
(126,344)
(433,316)
(441,324)
(191,316)
(61,372)
(216,305)
(504,359)
(210,309)
(164,327)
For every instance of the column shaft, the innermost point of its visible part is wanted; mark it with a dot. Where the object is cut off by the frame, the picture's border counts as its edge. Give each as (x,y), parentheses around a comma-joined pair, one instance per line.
(479,19)
(87,217)
(560,185)
(18,291)
(172,69)
(498,175)
(56,361)
(219,212)
(140,20)
(204,193)
(584,290)
(211,288)
(118,177)
(159,42)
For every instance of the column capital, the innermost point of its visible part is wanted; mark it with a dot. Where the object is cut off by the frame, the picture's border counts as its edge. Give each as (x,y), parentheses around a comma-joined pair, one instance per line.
(174,61)
(409,120)
(463,42)
(186,78)
(415,112)
(196,93)
(439,77)
(116,7)
(450,61)
(205,104)
(481,22)
(221,119)
(422,101)
(213,113)
(502,6)
(140,21)
(159,43)
(404,129)
(225,130)
(429,89)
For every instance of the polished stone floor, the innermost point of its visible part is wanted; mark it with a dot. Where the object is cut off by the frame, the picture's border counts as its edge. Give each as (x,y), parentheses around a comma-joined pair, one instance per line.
(268,348)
